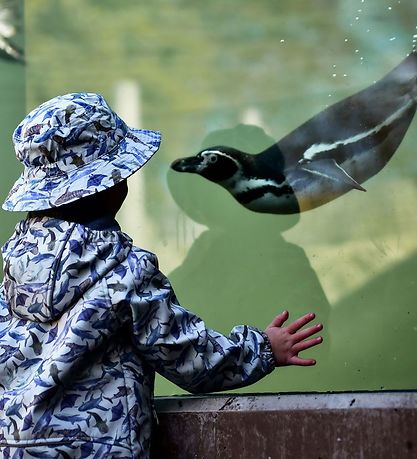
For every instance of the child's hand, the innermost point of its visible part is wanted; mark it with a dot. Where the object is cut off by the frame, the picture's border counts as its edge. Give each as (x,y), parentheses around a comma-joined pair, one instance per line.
(288,341)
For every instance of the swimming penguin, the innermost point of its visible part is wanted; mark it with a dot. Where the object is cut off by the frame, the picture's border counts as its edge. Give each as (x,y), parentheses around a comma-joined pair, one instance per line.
(330,154)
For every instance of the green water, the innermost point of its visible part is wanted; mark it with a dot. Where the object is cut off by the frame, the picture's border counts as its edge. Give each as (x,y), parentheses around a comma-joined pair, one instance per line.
(191,69)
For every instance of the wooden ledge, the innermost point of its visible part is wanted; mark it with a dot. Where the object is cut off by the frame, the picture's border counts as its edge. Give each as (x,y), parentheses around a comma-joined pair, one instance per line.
(315,425)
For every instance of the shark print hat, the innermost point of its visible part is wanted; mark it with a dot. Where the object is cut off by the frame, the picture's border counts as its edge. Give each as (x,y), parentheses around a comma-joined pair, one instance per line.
(73,146)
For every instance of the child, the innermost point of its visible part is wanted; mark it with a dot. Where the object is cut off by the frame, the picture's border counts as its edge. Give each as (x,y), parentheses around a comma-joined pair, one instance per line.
(86,318)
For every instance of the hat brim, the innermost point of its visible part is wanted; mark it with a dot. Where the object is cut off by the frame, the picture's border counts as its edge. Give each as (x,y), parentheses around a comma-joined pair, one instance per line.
(41,191)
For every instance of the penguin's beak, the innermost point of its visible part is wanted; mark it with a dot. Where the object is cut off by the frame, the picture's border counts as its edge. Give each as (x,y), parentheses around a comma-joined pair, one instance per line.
(190,164)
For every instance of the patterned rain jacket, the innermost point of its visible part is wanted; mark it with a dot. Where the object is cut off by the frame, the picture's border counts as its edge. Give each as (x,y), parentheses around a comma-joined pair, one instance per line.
(85,321)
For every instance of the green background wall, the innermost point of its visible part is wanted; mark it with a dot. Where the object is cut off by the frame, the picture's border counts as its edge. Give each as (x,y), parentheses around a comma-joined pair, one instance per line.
(12,109)
(192,69)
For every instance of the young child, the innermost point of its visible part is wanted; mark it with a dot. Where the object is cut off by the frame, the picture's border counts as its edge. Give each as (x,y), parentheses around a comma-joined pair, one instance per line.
(86,318)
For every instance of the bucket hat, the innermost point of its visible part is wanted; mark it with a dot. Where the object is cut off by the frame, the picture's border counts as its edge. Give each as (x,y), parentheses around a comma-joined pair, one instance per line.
(73,146)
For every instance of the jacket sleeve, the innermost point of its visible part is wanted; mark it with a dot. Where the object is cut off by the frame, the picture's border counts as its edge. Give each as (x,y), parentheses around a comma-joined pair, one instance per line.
(179,346)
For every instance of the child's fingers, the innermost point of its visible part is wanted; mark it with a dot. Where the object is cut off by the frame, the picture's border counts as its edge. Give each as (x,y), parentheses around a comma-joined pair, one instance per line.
(279,319)
(303,334)
(303,345)
(301,362)
(299,323)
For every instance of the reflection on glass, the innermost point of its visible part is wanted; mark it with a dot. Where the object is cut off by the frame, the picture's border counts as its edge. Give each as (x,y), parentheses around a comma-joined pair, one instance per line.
(241,268)
(10,20)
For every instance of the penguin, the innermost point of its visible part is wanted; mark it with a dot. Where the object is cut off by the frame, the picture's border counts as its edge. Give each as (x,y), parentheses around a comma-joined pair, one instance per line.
(332,153)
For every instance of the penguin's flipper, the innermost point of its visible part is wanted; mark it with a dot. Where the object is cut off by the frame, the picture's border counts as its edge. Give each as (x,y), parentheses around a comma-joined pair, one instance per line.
(330,170)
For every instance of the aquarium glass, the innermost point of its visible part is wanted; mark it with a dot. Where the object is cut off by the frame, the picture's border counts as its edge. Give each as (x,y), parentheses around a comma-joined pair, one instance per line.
(245,73)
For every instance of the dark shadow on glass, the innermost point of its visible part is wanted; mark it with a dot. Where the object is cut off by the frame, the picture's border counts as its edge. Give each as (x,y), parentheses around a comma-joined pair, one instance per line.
(241,269)
(324,158)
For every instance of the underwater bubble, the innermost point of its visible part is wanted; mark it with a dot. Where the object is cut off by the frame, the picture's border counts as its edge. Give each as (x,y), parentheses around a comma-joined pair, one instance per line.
(345,75)
(392,38)
(346,40)
(356,50)
(334,75)
(390,8)
(282,40)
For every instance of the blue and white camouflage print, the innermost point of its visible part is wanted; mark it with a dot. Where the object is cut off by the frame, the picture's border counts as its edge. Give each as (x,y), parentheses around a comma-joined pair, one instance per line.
(85,321)
(73,146)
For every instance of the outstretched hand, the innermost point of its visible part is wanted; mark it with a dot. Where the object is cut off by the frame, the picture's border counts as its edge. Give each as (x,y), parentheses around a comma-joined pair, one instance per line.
(288,341)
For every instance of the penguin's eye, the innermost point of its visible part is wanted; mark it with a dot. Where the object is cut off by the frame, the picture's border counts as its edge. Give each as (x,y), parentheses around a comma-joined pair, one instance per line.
(212,158)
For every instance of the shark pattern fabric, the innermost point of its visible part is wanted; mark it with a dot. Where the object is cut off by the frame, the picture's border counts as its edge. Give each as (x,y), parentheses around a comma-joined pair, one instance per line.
(86,319)
(73,146)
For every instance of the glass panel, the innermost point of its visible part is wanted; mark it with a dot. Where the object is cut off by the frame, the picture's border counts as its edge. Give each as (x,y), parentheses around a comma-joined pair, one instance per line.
(12,106)
(196,71)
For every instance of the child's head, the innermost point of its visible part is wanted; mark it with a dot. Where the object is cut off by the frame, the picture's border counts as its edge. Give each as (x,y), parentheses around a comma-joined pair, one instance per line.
(93,207)
(72,147)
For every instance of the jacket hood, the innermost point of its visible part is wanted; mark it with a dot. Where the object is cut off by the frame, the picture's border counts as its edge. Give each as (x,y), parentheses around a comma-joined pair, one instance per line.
(49,264)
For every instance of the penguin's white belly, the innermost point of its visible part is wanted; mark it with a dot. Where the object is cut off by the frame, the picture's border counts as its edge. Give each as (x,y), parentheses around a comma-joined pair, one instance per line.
(264,195)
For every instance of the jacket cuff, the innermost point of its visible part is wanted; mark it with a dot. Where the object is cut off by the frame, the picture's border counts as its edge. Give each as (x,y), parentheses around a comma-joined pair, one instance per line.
(267,353)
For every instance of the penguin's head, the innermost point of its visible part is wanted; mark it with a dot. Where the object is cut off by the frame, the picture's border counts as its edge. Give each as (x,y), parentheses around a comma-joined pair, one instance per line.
(217,164)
